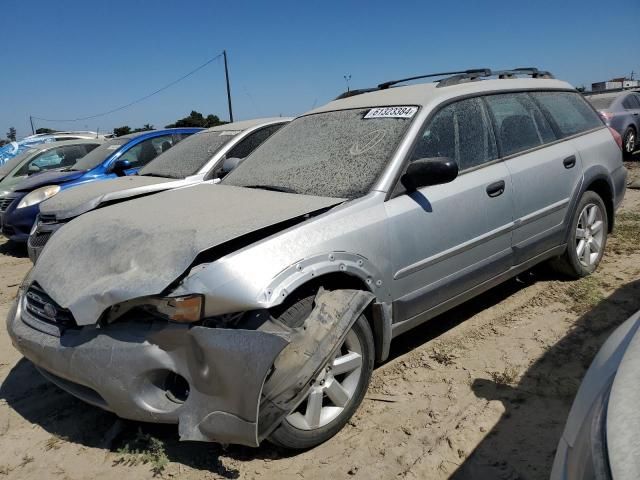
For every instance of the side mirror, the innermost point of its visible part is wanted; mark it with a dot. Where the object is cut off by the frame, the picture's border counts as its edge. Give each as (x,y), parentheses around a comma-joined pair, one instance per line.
(429,171)
(120,166)
(34,169)
(228,165)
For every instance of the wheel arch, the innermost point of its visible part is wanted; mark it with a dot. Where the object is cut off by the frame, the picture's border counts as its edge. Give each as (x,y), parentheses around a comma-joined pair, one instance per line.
(335,271)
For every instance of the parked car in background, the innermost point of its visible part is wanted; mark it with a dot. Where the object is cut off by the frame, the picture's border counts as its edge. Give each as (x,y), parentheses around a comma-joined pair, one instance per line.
(256,308)
(204,156)
(16,148)
(42,157)
(601,439)
(115,158)
(620,111)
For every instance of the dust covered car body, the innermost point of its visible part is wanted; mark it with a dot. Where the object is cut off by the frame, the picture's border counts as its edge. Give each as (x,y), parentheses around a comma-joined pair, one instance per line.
(256,308)
(196,159)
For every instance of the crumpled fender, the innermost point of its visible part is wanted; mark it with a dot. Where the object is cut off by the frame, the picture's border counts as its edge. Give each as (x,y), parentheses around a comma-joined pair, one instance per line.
(311,345)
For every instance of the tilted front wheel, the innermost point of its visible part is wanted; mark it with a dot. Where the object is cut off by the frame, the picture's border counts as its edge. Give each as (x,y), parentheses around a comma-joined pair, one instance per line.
(587,237)
(629,142)
(335,395)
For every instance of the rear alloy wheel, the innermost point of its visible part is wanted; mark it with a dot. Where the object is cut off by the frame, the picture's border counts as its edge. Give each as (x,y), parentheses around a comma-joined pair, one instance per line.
(629,142)
(587,238)
(335,395)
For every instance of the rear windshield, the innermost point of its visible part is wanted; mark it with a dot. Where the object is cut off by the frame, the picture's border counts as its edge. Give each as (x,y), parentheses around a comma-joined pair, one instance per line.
(601,103)
(188,156)
(99,155)
(333,154)
(571,113)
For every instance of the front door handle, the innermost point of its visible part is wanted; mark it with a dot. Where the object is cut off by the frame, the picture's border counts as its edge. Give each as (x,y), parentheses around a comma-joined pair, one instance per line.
(569,162)
(495,189)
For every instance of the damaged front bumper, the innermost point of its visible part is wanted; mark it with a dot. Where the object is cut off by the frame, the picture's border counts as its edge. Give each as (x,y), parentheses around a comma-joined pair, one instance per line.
(126,369)
(131,368)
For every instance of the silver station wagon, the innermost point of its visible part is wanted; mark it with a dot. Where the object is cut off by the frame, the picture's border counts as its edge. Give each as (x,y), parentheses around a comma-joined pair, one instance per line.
(256,308)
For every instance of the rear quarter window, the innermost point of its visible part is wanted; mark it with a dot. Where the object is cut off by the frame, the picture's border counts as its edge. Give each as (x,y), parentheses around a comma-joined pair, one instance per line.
(569,111)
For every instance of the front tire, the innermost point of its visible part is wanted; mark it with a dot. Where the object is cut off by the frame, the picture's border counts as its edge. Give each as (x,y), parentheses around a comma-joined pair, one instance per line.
(629,142)
(337,392)
(587,238)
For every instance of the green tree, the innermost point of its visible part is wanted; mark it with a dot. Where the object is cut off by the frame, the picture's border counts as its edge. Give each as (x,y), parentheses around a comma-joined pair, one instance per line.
(11,134)
(45,130)
(145,128)
(196,119)
(120,131)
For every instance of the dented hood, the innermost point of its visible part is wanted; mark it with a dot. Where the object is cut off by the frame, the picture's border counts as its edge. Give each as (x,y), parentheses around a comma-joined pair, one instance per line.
(83,198)
(139,248)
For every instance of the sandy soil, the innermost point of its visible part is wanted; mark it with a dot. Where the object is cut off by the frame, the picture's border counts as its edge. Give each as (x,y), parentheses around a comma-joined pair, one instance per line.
(480,392)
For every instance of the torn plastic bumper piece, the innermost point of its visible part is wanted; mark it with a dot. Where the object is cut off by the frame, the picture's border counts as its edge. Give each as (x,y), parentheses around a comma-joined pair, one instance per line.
(128,368)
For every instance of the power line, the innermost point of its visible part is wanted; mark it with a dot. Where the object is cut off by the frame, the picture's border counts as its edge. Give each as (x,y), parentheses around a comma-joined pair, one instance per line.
(135,101)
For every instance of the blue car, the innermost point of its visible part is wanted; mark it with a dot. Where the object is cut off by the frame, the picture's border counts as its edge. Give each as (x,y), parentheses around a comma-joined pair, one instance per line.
(117,157)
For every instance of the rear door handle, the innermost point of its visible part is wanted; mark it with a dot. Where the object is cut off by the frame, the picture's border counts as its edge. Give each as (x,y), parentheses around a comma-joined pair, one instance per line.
(569,162)
(495,189)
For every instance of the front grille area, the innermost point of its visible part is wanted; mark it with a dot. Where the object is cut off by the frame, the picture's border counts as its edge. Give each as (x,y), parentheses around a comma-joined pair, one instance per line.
(5,202)
(42,307)
(39,239)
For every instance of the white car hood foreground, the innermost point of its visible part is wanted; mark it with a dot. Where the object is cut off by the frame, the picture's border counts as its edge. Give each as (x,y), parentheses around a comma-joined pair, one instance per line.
(84,198)
(138,248)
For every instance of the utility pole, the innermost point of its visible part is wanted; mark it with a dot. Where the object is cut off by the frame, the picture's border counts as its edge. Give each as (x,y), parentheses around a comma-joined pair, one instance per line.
(226,74)
(33,132)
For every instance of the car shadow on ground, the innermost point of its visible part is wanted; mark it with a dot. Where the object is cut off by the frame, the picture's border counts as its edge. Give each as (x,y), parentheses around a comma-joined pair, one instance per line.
(13,249)
(62,415)
(523,442)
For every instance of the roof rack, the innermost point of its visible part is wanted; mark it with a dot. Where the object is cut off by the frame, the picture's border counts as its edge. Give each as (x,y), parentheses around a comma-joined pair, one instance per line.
(501,74)
(474,71)
(456,78)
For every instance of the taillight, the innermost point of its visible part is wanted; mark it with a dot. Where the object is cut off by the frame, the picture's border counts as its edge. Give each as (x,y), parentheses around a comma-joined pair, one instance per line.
(606,116)
(616,137)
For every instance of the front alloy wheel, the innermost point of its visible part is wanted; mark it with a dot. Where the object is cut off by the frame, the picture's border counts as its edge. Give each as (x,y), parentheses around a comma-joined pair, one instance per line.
(332,389)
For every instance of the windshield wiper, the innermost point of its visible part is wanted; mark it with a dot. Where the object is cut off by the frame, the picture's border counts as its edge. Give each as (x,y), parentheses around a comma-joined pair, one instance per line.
(272,188)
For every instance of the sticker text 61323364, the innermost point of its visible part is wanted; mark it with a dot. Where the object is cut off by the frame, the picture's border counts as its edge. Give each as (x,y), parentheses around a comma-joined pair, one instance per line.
(392,112)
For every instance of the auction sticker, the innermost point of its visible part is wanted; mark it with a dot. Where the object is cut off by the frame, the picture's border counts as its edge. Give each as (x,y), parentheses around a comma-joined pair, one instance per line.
(391,112)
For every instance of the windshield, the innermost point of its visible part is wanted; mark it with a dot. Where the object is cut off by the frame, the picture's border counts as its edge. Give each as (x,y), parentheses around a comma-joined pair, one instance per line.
(601,103)
(12,163)
(188,156)
(334,154)
(98,155)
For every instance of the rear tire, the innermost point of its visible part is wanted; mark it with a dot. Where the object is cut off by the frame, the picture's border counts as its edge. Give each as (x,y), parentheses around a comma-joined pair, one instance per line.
(629,142)
(319,417)
(587,238)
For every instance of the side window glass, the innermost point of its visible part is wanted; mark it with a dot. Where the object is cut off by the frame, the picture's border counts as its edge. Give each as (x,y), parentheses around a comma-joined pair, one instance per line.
(147,150)
(71,155)
(631,102)
(459,131)
(46,161)
(569,111)
(252,141)
(518,122)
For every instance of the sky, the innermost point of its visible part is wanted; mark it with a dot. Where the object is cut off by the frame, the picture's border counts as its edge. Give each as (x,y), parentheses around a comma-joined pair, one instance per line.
(73,59)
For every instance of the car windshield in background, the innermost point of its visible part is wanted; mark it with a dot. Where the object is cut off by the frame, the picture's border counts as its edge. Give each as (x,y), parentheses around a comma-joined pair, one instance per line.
(188,156)
(12,163)
(334,154)
(96,156)
(601,103)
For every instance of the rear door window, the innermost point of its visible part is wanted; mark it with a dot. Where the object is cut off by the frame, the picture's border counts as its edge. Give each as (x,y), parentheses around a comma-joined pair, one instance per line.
(461,132)
(570,112)
(519,123)
(630,103)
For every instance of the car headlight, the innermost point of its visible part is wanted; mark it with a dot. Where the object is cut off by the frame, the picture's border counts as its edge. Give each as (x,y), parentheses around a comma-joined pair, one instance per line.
(38,196)
(184,309)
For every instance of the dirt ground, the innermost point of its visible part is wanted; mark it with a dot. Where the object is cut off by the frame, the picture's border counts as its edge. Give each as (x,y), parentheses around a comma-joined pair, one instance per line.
(480,392)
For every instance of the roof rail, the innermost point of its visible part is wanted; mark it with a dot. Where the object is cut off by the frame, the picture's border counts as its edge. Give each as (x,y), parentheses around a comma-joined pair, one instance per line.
(351,93)
(475,71)
(501,74)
